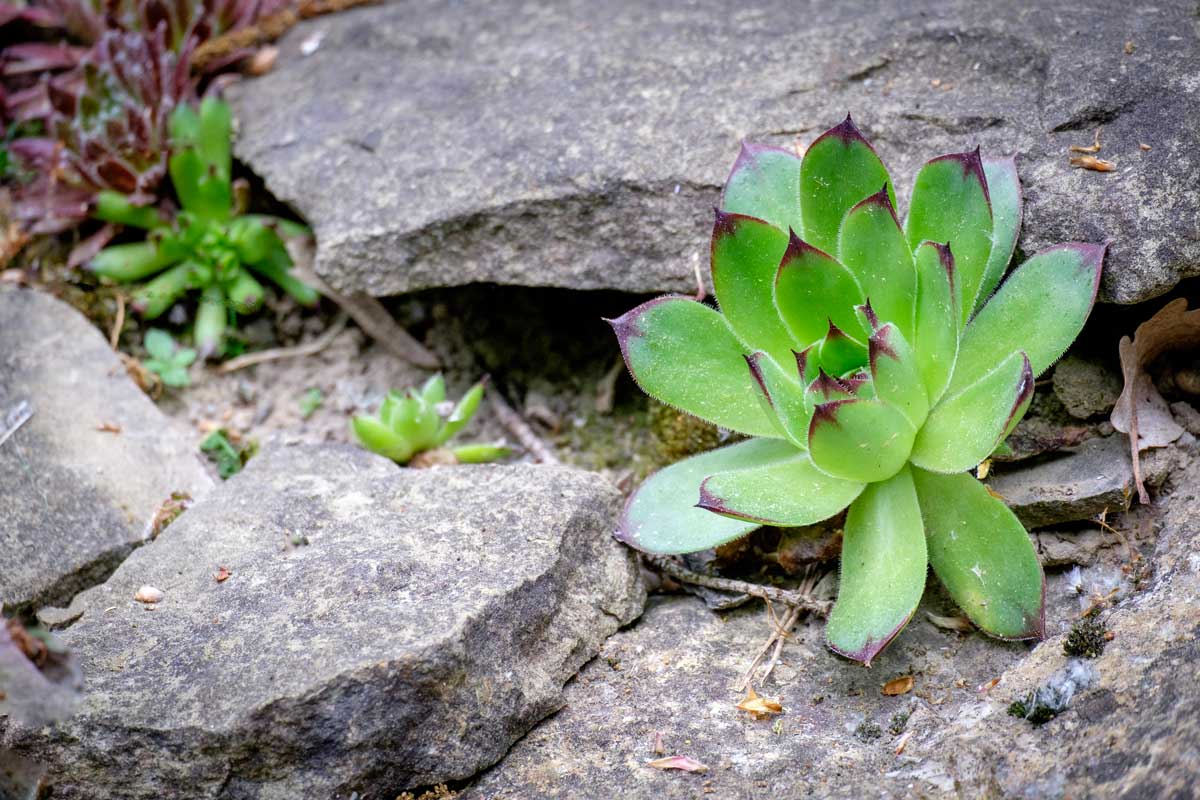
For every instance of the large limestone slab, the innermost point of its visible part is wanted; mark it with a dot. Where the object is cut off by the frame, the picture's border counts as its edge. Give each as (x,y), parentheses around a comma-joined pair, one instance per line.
(378,629)
(75,499)
(583,144)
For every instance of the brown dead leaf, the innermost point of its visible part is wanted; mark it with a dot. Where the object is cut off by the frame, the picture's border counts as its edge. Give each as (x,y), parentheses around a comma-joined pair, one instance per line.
(903,742)
(685,763)
(1130,48)
(961,624)
(1093,163)
(1140,411)
(222,574)
(759,707)
(898,686)
(108,427)
(659,748)
(1094,147)
(984,688)
(1145,147)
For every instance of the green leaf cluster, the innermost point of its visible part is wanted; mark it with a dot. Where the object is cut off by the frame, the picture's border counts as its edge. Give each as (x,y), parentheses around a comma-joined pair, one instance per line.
(168,360)
(874,361)
(417,422)
(228,457)
(207,246)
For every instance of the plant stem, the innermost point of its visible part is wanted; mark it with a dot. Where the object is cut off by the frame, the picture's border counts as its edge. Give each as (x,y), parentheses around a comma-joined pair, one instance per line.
(789,597)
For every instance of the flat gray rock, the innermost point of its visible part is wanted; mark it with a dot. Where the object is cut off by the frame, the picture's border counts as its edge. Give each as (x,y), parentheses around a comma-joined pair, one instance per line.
(379,629)
(75,500)
(1072,485)
(583,145)
(1133,733)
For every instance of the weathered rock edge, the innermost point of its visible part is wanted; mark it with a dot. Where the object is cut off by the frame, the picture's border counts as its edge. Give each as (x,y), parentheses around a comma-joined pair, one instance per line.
(583,145)
(430,621)
(75,497)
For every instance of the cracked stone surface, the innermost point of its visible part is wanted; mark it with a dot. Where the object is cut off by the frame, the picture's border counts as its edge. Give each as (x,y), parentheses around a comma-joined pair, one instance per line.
(430,619)
(583,145)
(1134,733)
(1072,485)
(75,500)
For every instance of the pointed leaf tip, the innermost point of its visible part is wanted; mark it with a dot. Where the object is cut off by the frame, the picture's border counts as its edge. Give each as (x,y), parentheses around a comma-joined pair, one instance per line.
(847,131)
(972,167)
(881,199)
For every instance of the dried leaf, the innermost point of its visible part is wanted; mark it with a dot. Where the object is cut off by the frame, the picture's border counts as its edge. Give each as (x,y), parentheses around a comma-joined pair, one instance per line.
(1145,147)
(759,707)
(1094,147)
(984,688)
(685,763)
(1093,163)
(898,686)
(222,574)
(961,624)
(900,745)
(659,748)
(108,427)
(1140,411)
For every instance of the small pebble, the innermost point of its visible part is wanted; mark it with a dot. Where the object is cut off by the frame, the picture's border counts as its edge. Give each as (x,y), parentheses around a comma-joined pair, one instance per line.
(149,595)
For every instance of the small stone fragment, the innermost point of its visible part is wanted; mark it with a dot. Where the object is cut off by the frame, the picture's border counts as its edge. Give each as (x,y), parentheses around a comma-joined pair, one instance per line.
(1078,485)
(1086,386)
(149,595)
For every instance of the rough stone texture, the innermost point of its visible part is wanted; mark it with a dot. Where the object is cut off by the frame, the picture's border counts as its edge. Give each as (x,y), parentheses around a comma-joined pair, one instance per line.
(75,500)
(432,618)
(1134,734)
(1075,485)
(583,145)
(1086,386)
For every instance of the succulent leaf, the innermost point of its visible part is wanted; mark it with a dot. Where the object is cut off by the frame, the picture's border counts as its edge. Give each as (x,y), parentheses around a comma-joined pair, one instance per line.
(246,293)
(895,374)
(784,396)
(787,493)
(434,391)
(211,321)
(839,353)
(745,257)
(950,204)
(1040,310)
(966,427)
(882,569)
(937,320)
(156,296)
(859,439)
(129,262)
(661,515)
(1004,190)
(982,555)
(115,207)
(872,246)
(838,170)
(462,413)
(765,183)
(379,438)
(684,353)
(812,289)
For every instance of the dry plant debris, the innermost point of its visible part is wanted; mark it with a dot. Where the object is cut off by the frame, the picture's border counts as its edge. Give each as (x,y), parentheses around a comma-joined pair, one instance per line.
(759,707)
(1093,163)
(898,686)
(684,763)
(960,624)
(1140,411)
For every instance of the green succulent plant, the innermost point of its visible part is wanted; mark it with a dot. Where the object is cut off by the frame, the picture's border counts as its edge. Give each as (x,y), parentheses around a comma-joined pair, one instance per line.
(873,363)
(419,422)
(208,246)
(167,359)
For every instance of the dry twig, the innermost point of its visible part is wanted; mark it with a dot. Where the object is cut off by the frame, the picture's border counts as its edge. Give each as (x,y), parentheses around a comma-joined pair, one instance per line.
(308,348)
(789,597)
(114,335)
(520,429)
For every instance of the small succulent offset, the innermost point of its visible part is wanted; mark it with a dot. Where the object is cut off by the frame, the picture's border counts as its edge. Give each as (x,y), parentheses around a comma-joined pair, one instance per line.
(874,363)
(208,246)
(168,360)
(413,427)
